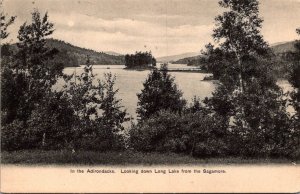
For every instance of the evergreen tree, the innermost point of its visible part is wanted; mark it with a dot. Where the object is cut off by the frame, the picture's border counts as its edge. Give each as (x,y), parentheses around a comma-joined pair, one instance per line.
(159,93)
(139,59)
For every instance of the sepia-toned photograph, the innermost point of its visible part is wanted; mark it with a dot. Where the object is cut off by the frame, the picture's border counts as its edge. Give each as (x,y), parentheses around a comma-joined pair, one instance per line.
(149,88)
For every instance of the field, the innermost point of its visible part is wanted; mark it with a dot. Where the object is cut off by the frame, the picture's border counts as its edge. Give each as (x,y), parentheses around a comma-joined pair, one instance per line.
(127,158)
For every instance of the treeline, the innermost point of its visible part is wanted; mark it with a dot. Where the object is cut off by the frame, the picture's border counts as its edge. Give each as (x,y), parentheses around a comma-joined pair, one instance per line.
(72,56)
(96,58)
(281,62)
(190,61)
(245,117)
(140,60)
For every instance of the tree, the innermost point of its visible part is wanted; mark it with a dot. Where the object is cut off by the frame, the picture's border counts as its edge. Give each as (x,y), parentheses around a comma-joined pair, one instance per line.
(252,105)
(139,59)
(28,101)
(4,23)
(113,116)
(294,78)
(239,30)
(238,36)
(159,93)
(7,87)
(31,74)
(99,117)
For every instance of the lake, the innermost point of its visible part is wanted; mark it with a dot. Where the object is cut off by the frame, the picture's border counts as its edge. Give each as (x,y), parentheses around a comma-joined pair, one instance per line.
(130,82)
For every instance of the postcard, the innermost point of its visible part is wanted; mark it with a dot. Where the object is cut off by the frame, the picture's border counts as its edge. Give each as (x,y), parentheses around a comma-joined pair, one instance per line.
(109,96)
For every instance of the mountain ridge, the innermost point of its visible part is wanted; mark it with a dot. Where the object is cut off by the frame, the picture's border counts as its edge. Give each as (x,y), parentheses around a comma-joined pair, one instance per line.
(96,58)
(170,58)
(278,48)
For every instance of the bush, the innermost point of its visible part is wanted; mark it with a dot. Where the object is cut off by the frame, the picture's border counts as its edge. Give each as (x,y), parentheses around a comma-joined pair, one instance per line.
(261,124)
(196,134)
(13,136)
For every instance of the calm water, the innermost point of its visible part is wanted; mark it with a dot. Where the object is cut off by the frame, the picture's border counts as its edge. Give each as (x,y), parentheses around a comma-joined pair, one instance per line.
(130,82)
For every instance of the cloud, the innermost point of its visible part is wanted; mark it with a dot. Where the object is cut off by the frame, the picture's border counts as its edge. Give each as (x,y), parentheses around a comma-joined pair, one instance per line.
(124,35)
(166,27)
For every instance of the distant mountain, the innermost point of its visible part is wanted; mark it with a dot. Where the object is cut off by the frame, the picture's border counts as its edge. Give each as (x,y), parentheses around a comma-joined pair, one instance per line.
(96,58)
(176,57)
(283,47)
(113,53)
(278,48)
(188,60)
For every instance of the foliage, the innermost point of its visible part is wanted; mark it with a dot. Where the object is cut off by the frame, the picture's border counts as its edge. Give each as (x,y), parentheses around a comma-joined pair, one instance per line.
(139,59)
(237,32)
(79,54)
(65,58)
(195,106)
(252,106)
(196,134)
(28,75)
(159,93)
(191,61)
(83,115)
(4,23)
(13,136)
(294,78)
(262,129)
(238,28)
(220,63)
(51,123)
(98,113)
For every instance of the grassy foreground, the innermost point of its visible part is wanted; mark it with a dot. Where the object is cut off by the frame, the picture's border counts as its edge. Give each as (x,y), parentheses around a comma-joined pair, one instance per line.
(33,157)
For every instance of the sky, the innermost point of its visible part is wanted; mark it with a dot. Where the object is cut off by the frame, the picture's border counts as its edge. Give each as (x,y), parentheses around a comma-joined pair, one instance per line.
(166,27)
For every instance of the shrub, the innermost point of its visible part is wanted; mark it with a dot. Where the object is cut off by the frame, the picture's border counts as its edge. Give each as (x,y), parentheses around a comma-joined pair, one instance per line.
(196,134)
(13,136)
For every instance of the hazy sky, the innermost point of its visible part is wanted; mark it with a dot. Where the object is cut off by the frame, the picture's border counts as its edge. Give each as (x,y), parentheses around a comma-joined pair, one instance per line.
(166,27)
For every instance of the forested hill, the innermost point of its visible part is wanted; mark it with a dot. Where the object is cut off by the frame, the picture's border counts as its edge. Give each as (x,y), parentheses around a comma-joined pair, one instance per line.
(176,57)
(96,58)
(283,47)
(278,49)
(188,60)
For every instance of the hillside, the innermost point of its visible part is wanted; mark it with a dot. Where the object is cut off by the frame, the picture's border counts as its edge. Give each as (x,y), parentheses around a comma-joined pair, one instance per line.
(283,47)
(96,58)
(278,48)
(187,60)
